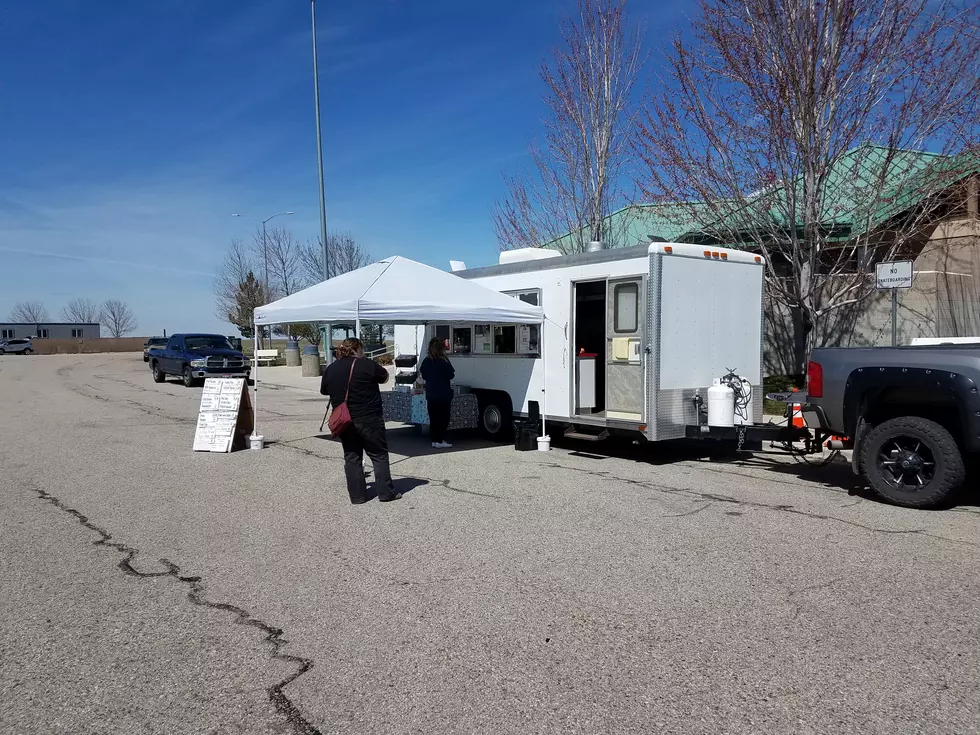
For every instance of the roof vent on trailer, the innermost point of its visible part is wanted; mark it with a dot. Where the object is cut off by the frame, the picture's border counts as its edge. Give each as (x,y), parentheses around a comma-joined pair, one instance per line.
(522,255)
(593,247)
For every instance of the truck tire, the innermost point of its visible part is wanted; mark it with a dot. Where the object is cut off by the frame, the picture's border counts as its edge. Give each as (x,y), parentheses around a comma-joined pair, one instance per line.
(158,375)
(189,381)
(495,416)
(913,462)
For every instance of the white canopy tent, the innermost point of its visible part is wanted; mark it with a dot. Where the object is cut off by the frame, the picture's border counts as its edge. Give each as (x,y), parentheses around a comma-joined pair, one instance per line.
(396,291)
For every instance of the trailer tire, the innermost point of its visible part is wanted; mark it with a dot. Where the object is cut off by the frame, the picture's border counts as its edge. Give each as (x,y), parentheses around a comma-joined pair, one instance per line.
(900,453)
(496,414)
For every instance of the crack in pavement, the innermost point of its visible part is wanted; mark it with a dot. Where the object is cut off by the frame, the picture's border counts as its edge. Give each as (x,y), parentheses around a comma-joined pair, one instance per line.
(798,607)
(273,635)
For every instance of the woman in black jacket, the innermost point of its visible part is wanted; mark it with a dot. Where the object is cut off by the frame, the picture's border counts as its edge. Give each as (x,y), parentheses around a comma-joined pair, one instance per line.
(438,372)
(355,379)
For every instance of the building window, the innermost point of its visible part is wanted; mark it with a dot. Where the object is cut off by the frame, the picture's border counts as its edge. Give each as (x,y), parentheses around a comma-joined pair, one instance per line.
(627,311)
(528,297)
(7,333)
(77,333)
(42,333)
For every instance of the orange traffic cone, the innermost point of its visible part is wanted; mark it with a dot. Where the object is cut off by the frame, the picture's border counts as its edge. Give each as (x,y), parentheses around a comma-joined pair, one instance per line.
(797,419)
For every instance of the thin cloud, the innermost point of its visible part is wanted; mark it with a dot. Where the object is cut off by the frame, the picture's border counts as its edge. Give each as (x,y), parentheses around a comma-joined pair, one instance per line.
(103,261)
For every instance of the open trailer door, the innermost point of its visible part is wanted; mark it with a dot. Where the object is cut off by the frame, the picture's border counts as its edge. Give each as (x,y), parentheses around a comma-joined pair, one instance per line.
(625,307)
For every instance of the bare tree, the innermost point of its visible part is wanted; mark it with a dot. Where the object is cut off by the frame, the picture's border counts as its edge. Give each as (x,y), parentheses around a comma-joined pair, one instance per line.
(237,291)
(579,172)
(29,312)
(118,318)
(285,267)
(250,294)
(82,311)
(761,137)
(346,255)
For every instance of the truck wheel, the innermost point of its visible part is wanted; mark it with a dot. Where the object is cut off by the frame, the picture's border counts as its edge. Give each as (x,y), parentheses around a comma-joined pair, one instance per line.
(189,381)
(913,462)
(158,375)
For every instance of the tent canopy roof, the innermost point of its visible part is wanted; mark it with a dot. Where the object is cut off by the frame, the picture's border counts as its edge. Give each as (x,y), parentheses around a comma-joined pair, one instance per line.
(398,291)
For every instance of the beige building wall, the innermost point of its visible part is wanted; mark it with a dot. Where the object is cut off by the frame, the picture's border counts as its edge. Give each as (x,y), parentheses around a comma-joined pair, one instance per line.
(944,301)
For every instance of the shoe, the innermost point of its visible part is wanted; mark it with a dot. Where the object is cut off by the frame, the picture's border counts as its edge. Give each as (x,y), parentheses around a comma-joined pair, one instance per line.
(443,445)
(389,498)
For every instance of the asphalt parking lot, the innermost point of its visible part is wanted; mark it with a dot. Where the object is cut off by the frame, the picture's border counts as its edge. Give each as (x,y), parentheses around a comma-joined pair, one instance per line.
(151,589)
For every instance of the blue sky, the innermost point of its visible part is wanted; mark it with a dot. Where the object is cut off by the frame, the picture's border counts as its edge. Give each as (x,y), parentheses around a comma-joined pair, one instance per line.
(131,131)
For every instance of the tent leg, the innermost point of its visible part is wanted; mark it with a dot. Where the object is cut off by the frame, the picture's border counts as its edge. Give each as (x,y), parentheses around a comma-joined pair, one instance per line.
(544,381)
(255,385)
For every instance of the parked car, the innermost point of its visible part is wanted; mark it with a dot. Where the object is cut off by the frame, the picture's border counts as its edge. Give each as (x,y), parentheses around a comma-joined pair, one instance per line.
(912,415)
(17,346)
(153,343)
(194,357)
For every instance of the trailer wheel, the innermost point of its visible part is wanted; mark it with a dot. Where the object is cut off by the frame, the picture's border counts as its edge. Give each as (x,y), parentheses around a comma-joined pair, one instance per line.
(495,416)
(913,462)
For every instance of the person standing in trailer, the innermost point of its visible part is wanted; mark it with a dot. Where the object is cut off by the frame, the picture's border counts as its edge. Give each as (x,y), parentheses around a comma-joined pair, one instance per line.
(353,379)
(438,372)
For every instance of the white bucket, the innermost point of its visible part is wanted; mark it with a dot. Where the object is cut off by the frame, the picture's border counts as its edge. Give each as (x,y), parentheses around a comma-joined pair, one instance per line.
(256,441)
(544,443)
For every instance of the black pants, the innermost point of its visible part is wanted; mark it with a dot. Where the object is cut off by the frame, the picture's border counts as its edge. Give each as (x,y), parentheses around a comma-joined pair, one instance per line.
(438,419)
(367,434)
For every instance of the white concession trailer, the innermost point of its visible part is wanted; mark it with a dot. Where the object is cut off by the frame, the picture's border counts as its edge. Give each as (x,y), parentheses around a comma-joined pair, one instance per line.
(633,340)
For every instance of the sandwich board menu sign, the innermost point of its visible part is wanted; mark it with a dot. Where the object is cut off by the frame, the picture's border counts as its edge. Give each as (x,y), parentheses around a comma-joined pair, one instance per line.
(224,420)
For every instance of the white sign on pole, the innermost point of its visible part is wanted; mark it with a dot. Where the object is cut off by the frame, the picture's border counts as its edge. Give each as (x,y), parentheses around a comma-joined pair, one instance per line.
(897,274)
(218,424)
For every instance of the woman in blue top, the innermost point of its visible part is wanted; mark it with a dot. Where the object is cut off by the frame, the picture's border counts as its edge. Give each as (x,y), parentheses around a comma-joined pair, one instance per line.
(438,372)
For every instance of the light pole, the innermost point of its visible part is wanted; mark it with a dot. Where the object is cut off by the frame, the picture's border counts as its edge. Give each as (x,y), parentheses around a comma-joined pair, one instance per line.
(319,151)
(265,249)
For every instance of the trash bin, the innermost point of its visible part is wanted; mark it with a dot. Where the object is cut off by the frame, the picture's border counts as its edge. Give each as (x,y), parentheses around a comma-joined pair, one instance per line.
(292,354)
(525,435)
(311,362)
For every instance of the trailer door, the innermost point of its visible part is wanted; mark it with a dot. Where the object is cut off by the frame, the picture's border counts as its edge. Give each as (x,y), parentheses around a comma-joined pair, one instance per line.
(625,306)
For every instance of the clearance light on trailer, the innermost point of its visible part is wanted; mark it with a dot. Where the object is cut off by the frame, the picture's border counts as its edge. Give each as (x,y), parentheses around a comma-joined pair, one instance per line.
(668,249)
(724,256)
(642,427)
(715,254)
(758,259)
(707,253)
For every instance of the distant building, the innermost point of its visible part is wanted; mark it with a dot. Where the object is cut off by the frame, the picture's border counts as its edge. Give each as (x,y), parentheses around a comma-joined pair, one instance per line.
(50,330)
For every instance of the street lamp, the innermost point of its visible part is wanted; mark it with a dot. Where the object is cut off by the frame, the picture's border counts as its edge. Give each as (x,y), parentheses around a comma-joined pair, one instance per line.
(265,249)
(319,151)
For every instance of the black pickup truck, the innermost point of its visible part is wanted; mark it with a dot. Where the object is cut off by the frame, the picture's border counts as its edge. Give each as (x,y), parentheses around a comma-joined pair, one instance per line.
(911,415)
(195,357)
